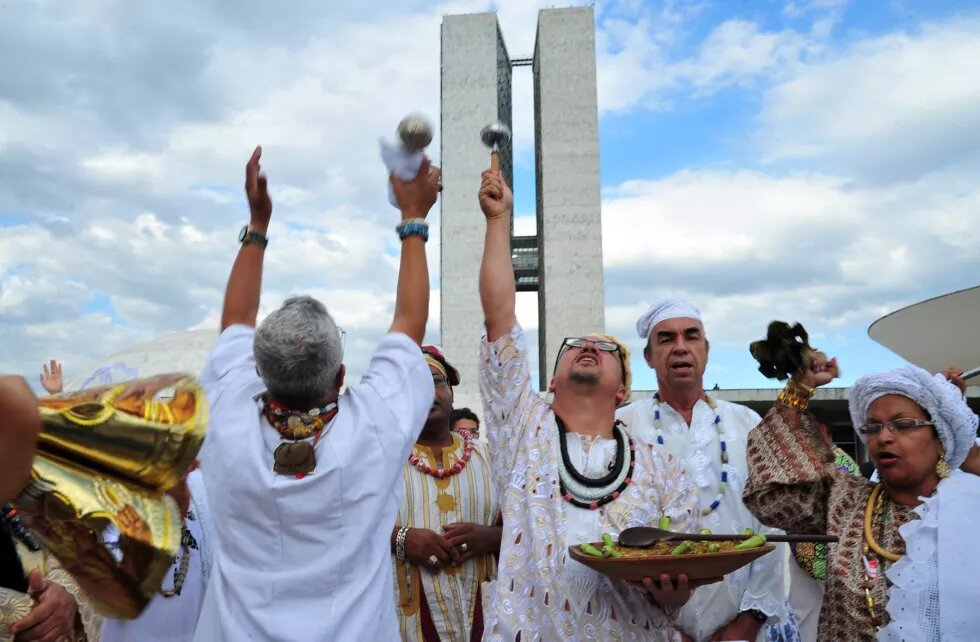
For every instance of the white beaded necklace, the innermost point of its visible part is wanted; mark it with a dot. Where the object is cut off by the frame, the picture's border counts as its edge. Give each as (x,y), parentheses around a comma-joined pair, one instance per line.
(721,438)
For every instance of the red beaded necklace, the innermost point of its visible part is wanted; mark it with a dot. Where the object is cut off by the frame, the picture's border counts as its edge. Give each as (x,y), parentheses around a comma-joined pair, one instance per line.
(455,469)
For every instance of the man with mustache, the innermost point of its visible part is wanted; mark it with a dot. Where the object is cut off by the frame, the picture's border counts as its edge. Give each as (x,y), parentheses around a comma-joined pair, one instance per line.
(708,436)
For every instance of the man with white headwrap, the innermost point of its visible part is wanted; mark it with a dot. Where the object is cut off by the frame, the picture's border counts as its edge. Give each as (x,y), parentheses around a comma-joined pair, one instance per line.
(709,437)
(904,565)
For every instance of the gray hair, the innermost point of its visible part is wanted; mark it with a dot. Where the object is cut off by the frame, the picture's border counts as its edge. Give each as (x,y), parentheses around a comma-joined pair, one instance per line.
(298,351)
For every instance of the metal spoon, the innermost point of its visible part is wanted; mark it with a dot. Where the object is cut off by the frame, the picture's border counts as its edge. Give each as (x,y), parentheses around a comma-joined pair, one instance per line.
(643,536)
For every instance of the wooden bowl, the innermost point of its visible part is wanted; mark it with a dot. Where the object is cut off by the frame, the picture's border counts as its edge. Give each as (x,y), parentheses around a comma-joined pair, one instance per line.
(701,569)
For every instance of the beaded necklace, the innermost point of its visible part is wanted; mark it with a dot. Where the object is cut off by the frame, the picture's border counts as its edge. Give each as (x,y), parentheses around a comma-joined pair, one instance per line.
(587,492)
(455,469)
(874,511)
(12,521)
(721,438)
(187,542)
(297,457)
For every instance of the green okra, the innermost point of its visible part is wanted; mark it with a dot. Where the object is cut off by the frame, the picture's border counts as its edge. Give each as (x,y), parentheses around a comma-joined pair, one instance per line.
(714,548)
(747,531)
(665,523)
(683,548)
(608,540)
(706,531)
(752,542)
(609,551)
(589,549)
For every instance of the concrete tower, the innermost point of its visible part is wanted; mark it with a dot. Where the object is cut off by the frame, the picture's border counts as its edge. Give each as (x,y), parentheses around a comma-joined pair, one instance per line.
(563,262)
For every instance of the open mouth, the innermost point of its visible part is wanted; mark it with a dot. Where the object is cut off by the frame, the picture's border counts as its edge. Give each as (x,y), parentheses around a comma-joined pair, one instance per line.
(886,458)
(682,367)
(588,359)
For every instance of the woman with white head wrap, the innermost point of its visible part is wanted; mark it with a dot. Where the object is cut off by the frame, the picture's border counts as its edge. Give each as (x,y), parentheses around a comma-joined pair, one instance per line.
(902,567)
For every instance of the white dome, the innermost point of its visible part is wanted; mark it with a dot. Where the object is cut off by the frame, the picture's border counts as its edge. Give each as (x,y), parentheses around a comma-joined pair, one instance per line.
(176,352)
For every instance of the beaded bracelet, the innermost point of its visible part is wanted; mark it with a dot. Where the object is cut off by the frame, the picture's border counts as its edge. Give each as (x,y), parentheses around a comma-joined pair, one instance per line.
(796,395)
(400,544)
(413,229)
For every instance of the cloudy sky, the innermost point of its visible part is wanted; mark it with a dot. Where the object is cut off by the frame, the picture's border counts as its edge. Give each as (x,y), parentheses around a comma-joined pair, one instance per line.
(811,160)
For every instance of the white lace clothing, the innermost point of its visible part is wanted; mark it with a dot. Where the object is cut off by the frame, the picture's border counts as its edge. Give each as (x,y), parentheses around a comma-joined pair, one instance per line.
(933,593)
(760,586)
(539,593)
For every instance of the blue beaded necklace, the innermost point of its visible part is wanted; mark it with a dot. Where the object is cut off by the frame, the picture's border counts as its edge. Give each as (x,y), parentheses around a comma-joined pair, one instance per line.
(721,438)
(10,519)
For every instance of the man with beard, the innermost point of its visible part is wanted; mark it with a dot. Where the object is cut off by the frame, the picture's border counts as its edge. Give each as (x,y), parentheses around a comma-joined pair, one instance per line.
(447,534)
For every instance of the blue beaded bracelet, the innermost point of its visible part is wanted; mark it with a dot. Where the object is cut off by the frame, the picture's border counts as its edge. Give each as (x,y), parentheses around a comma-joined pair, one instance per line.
(413,229)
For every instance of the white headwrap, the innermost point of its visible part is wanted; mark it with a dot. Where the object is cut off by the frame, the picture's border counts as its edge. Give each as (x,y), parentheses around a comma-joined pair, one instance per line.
(955,422)
(663,309)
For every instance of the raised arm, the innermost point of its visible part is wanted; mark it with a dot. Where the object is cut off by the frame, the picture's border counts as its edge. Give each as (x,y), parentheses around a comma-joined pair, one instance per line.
(498,291)
(245,282)
(20,424)
(415,198)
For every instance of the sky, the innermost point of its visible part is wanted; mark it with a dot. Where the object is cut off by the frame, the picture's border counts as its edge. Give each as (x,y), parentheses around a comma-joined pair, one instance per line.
(804,160)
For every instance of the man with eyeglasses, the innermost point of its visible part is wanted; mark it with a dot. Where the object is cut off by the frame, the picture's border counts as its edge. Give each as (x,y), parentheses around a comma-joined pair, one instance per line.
(304,481)
(708,437)
(566,473)
(447,533)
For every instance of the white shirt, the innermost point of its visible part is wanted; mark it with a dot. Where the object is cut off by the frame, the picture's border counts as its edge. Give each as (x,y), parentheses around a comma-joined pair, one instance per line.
(174,618)
(759,586)
(307,559)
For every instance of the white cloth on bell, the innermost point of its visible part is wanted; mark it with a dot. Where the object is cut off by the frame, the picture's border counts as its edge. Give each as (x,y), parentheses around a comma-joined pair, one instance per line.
(759,586)
(401,162)
(662,310)
(955,421)
(310,558)
(174,618)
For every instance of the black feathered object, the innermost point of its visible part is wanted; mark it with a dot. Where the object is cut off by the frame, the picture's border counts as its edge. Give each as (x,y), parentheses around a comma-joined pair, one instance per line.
(784,352)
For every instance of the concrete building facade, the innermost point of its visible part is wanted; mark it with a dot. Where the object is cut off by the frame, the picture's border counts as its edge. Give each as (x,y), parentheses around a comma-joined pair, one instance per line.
(563,261)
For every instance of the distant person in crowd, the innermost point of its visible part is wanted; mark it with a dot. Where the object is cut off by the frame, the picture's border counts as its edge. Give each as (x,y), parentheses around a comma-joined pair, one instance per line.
(465,420)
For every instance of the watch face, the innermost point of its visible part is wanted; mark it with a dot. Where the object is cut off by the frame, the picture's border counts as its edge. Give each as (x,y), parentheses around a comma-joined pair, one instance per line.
(243,234)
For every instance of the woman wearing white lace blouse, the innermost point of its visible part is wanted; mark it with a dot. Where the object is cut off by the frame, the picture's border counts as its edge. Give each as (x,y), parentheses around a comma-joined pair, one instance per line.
(566,473)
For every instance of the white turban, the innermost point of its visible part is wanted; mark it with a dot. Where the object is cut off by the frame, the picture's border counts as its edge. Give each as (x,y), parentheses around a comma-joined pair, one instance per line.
(663,309)
(955,422)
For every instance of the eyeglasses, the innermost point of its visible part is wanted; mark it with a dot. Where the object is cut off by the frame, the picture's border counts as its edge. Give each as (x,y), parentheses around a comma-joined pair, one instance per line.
(439,380)
(897,426)
(598,344)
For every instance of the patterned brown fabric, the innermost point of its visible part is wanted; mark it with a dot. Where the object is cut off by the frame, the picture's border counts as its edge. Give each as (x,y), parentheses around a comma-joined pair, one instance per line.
(794,485)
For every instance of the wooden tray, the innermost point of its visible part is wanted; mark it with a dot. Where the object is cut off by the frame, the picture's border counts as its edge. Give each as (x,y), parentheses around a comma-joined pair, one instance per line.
(701,569)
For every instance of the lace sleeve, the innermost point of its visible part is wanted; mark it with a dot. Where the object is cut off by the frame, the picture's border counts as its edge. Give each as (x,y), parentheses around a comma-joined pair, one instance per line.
(508,397)
(790,473)
(88,625)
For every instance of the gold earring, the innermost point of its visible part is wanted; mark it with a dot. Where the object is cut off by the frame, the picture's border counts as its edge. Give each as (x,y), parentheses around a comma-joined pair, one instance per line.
(942,466)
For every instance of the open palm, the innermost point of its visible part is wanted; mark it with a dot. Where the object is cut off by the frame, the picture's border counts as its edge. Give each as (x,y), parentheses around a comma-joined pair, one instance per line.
(51,379)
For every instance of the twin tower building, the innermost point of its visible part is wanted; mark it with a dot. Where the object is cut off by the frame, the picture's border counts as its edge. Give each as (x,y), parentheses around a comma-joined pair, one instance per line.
(562,262)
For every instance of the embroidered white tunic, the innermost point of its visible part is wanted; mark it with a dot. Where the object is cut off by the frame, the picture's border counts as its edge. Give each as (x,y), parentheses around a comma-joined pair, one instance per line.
(307,559)
(540,594)
(431,503)
(761,585)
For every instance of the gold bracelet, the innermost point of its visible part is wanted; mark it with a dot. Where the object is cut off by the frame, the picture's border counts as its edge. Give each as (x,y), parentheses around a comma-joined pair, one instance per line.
(796,395)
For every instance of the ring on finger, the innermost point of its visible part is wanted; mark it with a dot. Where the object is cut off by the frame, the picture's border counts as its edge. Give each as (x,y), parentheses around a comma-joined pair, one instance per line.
(433,560)
(463,547)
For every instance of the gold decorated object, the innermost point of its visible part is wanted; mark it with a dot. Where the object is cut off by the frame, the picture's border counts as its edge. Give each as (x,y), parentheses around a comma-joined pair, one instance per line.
(107,456)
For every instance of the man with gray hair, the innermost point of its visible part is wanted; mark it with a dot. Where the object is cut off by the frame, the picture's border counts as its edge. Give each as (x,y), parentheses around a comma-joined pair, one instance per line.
(709,438)
(304,482)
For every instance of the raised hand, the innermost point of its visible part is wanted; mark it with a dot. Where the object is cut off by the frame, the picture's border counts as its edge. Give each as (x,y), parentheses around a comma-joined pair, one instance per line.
(496,199)
(821,371)
(51,379)
(257,190)
(417,196)
(955,377)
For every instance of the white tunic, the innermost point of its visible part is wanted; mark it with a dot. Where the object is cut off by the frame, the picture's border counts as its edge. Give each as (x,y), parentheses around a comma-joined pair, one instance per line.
(540,593)
(761,585)
(307,559)
(175,618)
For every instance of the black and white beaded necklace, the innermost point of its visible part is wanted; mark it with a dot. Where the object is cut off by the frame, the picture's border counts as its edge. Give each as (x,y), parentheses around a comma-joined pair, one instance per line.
(588,492)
